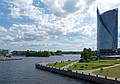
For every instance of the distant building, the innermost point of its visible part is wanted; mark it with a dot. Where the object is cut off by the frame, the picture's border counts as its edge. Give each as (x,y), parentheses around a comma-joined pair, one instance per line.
(107,31)
(4,52)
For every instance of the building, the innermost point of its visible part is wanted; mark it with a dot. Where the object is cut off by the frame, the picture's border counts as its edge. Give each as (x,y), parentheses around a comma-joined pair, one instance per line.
(107,31)
(4,52)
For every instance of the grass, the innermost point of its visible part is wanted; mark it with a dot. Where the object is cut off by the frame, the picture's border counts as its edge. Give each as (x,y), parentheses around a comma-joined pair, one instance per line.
(111,72)
(93,64)
(60,64)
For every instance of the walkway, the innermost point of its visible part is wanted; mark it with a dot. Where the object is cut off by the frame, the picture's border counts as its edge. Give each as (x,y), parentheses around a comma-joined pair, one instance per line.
(91,71)
(67,66)
(80,71)
(88,71)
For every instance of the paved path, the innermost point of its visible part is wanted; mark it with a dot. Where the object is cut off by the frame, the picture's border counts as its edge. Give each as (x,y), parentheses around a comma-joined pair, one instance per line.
(80,71)
(67,66)
(45,63)
(91,71)
(84,71)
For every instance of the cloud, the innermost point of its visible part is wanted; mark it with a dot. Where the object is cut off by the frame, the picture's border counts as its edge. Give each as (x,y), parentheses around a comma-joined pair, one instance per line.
(57,22)
(15,12)
(2,29)
(23,8)
(49,22)
(65,7)
(65,20)
(71,6)
(4,35)
(55,6)
(28,33)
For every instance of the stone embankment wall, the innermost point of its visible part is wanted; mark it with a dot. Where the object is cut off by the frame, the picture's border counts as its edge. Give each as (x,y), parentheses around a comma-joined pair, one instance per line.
(69,73)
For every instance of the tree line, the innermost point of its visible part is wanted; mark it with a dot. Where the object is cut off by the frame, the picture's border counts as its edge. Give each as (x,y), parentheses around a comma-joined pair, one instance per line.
(36,53)
(42,53)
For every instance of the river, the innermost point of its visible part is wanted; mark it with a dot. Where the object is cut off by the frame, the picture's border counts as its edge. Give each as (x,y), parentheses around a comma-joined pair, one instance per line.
(24,72)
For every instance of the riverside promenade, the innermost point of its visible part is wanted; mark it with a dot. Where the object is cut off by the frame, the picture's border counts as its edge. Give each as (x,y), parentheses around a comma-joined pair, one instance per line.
(78,74)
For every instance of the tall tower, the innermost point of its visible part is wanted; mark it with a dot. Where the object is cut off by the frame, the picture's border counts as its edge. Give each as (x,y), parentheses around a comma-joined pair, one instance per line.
(107,29)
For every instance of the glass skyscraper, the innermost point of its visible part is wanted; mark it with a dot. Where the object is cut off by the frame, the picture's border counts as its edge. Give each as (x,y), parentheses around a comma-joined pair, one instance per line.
(107,29)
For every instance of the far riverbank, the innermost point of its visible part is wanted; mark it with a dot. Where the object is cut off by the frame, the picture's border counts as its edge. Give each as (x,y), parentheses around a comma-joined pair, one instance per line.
(3,58)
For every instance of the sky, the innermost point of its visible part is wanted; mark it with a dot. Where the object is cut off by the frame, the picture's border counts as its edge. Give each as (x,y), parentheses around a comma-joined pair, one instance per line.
(68,25)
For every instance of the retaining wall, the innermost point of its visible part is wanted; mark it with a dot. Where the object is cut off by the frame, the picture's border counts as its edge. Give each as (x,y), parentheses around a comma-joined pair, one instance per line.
(88,77)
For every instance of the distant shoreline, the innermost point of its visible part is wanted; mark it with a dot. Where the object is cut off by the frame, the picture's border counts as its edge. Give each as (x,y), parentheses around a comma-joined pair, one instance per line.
(9,58)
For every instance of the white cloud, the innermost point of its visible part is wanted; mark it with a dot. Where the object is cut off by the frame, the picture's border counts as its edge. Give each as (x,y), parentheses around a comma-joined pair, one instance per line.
(72,12)
(20,3)
(15,12)
(2,29)
(28,33)
(55,6)
(51,22)
(67,19)
(88,30)
(7,38)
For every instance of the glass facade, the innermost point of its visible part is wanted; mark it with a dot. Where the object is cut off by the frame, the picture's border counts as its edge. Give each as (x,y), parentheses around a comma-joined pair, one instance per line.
(107,29)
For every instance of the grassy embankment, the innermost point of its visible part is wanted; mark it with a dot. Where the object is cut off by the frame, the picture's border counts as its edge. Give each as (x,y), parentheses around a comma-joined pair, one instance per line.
(111,72)
(60,64)
(93,64)
(85,65)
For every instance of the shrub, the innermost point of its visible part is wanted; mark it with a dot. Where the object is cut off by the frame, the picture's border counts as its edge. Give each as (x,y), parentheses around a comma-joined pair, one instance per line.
(55,63)
(69,60)
(88,60)
(81,60)
(82,67)
(93,58)
(101,69)
(75,65)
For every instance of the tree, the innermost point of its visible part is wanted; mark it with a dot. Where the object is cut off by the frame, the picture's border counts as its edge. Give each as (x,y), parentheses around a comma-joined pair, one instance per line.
(58,52)
(87,54)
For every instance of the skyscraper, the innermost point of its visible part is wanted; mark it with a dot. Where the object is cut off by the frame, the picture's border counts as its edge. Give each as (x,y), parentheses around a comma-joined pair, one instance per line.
(107,29)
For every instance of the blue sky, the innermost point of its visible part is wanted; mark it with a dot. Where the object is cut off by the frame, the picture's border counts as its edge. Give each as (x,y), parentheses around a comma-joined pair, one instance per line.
(50,24)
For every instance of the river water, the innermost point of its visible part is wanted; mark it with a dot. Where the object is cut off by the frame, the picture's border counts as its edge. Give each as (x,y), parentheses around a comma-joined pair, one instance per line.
(24,72)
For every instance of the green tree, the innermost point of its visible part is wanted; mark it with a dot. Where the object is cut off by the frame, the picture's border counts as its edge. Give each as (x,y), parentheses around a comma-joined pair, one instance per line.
(87,54)
(58,52)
